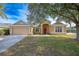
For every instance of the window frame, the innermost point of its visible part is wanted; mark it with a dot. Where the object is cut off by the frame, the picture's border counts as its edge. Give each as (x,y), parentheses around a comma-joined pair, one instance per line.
(58,29)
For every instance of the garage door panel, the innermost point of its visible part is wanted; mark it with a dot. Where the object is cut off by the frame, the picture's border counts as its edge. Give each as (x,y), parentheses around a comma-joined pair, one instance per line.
(21,30)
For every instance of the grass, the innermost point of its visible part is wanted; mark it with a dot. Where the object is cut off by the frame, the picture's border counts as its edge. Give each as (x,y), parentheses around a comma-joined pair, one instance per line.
(52,45)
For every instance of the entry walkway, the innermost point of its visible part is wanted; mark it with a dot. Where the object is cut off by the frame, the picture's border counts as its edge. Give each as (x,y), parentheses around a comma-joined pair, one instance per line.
(9,41)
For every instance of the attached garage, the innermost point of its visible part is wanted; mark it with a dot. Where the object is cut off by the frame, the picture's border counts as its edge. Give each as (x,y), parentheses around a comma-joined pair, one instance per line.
(20,29)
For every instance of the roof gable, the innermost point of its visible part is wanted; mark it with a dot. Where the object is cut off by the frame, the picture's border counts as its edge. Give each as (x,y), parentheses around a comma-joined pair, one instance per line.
(45,21)
(20,23)
(59,24)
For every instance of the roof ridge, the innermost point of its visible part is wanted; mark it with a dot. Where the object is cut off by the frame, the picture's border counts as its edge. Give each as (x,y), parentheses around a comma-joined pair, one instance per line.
(20,21)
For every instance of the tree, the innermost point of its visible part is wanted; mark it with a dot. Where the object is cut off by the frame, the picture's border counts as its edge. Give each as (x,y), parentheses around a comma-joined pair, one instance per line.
(67,11)
(36,12)
(2,11)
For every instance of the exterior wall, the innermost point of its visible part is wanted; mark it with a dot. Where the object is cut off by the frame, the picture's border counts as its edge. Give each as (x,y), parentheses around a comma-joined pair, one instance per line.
(10,30)
(51,29)
(65,29)
(20,30)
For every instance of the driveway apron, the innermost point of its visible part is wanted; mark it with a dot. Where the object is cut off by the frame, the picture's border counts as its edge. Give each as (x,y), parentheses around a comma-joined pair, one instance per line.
(9,41)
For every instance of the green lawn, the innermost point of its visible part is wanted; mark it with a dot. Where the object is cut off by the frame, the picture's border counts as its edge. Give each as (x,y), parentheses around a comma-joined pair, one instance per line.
(53,45)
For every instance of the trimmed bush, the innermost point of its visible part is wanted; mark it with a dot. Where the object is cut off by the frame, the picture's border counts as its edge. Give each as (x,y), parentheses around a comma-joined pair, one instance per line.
(6,31)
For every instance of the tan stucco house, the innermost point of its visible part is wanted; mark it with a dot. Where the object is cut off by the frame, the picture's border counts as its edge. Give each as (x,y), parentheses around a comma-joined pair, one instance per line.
(44,27)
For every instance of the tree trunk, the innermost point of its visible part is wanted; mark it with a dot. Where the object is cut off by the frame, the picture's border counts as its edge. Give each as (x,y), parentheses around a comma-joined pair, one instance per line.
(77,31)
(70,30)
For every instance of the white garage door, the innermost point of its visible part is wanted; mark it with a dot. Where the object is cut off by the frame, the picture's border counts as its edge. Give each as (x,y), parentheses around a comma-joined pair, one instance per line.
(21,30)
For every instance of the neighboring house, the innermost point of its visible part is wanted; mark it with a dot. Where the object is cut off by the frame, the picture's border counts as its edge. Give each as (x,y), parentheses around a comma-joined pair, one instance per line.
(44,27)
(5,25)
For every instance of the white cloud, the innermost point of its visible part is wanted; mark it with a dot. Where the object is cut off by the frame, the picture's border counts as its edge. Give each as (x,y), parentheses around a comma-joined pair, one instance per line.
(7,20)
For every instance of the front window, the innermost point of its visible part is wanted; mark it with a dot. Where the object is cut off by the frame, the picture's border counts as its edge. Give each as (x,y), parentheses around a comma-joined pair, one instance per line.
(37,30)
(58,29)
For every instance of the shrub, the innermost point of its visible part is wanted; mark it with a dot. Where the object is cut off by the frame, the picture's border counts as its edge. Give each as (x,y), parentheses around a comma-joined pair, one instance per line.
(2,32)
(6,31)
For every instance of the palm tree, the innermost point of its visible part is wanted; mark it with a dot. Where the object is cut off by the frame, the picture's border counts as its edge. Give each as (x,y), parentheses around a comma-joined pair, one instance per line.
(2,11)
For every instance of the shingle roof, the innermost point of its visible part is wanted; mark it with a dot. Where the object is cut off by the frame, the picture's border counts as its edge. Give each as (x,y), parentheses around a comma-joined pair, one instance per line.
(20,21)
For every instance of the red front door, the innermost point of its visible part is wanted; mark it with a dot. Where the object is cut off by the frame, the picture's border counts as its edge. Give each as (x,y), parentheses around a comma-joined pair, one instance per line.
(45,29)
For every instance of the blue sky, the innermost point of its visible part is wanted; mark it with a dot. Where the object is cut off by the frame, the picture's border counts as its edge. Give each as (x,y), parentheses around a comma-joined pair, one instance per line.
(15,12)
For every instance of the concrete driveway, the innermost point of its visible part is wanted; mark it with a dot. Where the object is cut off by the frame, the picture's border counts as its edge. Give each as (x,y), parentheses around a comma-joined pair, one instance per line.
(9,41)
